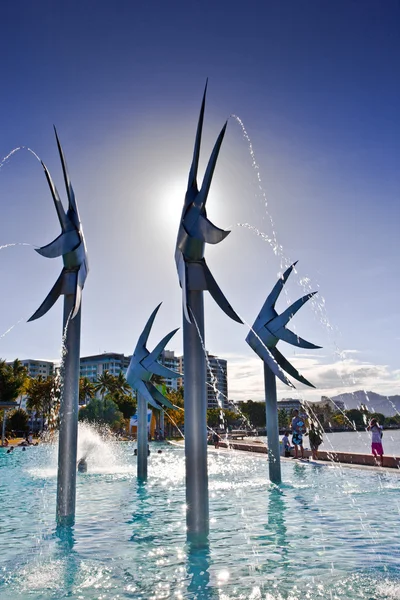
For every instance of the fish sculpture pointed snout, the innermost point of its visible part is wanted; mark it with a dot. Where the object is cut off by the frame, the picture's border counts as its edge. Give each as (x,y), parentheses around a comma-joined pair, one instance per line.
(70,244)
(196,230)
(270,327)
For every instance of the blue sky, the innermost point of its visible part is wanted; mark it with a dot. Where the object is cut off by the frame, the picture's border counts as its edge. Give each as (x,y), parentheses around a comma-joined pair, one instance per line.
(316,85)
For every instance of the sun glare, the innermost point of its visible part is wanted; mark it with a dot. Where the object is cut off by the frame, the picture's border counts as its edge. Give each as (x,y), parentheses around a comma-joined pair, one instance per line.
(172,199)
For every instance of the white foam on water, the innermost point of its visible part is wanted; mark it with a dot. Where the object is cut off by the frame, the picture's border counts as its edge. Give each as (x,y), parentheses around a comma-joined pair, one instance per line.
(97,445)
(389,591)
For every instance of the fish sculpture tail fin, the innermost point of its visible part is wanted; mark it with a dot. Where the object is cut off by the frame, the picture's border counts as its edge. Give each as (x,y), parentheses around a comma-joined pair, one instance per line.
(198,277)
(51,298)
(288,367)
(64,243)
(67,283)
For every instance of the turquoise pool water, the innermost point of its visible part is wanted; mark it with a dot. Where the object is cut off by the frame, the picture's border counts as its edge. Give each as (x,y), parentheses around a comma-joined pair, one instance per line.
(328,533)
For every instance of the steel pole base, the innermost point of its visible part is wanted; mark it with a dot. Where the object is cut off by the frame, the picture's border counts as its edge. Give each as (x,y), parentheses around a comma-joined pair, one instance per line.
(271,413)
(68,435)
(162,425)
(197,515)
(3,433)
(142,438)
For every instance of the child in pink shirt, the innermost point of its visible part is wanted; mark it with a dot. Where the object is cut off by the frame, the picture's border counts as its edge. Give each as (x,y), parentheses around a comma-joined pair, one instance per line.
(376,439)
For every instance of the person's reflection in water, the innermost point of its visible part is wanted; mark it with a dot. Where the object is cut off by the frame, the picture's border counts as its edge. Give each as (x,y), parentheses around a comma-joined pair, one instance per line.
(198,565)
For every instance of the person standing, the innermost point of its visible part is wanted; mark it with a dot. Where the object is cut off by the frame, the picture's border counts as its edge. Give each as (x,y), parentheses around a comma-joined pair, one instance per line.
(298,427)
(315,438)
(286,445)
(376,439)
(216,439)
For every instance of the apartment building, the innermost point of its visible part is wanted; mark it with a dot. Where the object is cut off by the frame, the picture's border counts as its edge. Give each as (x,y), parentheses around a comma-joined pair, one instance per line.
(94,366)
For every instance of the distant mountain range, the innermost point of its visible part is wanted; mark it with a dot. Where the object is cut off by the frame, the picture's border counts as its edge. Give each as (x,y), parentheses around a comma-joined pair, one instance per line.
(387,405)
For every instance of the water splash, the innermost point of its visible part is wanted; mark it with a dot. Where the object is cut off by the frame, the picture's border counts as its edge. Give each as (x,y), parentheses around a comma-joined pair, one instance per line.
(4,161)
(277,248)
(317,302)
(58,387)
(214,380)
(15,244)
(12,327)
(172,421)
(97,444)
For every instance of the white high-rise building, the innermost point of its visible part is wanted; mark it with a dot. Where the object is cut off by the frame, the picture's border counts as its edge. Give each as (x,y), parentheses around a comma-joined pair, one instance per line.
(169,360)
(94,366)
(35,368)
(45,368)
(217,381)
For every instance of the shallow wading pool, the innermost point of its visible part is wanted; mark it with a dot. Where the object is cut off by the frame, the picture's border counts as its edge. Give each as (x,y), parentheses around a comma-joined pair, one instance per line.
(328,533)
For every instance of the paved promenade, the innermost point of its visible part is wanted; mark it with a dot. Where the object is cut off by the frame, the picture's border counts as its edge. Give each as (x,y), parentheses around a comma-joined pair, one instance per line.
(344,458)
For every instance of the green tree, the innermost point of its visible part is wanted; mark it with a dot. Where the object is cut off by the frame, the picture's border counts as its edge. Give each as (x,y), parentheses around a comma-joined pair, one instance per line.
(323,411)
(283,418)
(12,380)
(42,396)
(103,412)
(126,403)
(105,384)
(356,416)
(213,417)
(392,420)
(232,419)
(339,420)
(379,417)
(254,411)
(175,416)
(217,416)
(121,384)
(17,420)
(87,390)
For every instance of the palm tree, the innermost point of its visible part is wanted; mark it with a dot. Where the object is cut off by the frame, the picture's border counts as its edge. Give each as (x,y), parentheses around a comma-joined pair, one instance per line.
(42,396)
(121,384)
(87,390)
(104,384)
(12,380)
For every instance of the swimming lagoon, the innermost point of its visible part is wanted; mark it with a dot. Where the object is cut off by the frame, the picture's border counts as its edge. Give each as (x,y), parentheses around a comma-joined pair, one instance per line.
(327,532)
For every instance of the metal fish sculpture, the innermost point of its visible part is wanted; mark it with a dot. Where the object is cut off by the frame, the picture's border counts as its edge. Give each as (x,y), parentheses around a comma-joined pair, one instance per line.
(270,327)
(144,365)
(70,244)
(195,230)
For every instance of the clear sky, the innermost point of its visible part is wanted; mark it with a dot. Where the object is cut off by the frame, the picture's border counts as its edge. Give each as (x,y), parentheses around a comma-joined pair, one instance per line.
(316,85)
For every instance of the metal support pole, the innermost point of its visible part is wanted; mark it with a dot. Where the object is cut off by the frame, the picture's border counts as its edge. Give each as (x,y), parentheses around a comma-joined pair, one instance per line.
(197,514)
(162,425)
(3,433)
(68,436)
(142,437)
(157,430)
(271,413)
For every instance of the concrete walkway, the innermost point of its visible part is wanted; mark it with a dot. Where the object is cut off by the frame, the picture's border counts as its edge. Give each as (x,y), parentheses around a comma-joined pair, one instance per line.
(349,459)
